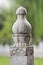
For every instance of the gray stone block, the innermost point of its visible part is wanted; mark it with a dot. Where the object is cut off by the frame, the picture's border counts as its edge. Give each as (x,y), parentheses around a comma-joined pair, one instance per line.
(21,59)
(18,60)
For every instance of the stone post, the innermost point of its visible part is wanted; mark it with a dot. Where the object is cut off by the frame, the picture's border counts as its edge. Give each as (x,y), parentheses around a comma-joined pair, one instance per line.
(21,52)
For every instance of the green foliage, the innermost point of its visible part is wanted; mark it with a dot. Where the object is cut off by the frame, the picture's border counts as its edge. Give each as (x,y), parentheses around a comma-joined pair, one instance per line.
(2,19)
(6,32)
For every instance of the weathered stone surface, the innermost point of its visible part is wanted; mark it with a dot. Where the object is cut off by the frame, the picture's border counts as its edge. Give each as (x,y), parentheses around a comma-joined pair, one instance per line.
(23,50)
(19,57)
(29,50)
(28,60)
(22,60)
(21,10)
(21,28)
(18,60)
(21,38)
(32,60)
(18,49)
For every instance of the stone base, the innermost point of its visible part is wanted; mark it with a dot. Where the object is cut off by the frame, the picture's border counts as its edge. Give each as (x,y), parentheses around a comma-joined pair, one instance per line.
(27,59)
(21,60)
(18,60)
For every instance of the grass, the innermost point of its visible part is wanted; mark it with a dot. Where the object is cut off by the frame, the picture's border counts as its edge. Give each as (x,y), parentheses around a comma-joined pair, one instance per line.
(38,61)
(4,60)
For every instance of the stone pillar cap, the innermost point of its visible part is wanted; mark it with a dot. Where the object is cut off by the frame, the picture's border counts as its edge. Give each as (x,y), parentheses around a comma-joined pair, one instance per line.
(21,11)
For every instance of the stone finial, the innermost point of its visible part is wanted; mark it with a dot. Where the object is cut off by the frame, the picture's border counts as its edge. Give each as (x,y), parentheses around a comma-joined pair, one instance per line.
(21,28)
(21,10)
(21,52)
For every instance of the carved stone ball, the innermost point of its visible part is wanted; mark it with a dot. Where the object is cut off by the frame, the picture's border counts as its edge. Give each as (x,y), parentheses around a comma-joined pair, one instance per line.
(21,10)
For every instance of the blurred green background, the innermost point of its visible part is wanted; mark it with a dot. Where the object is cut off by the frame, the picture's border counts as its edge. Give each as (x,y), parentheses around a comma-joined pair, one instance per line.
(34,16)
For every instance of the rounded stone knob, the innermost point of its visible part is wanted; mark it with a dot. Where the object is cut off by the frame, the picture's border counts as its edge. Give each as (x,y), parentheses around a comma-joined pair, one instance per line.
(21,11)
